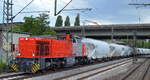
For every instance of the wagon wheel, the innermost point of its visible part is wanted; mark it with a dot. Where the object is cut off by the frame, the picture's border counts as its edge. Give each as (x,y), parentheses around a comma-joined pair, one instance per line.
(54,67)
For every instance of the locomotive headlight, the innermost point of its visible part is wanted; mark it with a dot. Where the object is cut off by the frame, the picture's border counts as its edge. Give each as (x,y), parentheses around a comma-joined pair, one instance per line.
(33,54)
(26,39)
(18,54)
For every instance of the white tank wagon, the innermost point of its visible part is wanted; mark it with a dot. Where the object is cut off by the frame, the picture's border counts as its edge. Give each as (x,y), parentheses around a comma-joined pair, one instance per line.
(96,48)
(120,50)
(115,50)
(126,50)
(143,51)
(100,49)
(147,51)
(140,50)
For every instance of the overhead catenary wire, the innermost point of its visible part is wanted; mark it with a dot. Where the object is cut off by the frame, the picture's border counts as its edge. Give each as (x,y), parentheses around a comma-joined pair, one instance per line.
(36,12)
(55,8)
(78,9)
(22,9)
(138,3)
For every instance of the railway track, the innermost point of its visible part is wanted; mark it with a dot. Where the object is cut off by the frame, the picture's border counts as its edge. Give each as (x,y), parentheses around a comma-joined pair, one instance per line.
(16,76)
(140,71)
(87,74)
(131,71)
(12,76)
(79,70)
(146,72)
(130,75)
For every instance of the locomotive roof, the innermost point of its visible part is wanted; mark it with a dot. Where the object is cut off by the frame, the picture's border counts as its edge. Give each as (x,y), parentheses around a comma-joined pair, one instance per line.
(55,36)
(46,36)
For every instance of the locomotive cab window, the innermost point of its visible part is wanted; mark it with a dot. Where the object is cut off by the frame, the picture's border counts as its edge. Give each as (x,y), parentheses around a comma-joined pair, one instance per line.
(74,41)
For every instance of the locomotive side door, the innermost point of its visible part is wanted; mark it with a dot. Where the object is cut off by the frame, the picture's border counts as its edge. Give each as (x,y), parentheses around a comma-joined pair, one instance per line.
(42,49)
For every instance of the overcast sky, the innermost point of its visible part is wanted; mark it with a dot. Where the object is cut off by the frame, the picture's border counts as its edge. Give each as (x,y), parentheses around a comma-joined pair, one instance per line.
(104,11)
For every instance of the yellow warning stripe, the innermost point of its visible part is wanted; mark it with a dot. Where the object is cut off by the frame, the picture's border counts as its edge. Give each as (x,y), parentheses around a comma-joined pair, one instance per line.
(35,67)
(15,67)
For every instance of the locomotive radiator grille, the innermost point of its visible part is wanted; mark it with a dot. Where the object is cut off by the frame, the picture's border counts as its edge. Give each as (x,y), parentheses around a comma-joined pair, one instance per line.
(35,68)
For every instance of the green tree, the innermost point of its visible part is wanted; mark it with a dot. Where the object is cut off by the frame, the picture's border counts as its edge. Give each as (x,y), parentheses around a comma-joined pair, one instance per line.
(59,21)
(35,26)
(49,31)
(77,20)
(67,21)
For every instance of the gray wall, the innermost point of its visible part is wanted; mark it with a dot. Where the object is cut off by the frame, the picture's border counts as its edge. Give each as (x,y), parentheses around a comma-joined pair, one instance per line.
(6,46)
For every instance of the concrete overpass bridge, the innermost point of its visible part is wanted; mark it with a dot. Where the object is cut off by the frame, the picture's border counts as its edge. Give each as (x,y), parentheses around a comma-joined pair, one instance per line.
(118,31)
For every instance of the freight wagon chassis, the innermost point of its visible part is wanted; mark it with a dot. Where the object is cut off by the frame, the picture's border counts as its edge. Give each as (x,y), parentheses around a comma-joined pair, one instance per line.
(32,65)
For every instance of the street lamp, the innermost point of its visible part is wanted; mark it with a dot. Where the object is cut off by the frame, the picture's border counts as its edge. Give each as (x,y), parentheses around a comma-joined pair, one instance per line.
(84,23)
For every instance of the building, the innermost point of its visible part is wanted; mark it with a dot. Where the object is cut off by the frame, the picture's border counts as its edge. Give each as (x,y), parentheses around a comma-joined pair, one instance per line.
(8,43)
(8,47)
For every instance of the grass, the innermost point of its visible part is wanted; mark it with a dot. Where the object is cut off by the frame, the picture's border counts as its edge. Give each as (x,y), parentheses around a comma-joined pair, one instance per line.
(3,66)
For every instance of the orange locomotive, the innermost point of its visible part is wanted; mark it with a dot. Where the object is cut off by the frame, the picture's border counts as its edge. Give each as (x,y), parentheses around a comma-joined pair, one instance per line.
(35,53)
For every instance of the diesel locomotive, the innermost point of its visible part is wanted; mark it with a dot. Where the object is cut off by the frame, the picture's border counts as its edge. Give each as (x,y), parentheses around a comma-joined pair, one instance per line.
(36,53)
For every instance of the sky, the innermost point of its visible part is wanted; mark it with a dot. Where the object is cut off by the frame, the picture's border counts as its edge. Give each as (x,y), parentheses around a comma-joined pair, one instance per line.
(103,11)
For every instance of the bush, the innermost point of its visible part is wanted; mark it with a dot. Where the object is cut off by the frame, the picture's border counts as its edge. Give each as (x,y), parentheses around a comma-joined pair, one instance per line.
(3,66)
